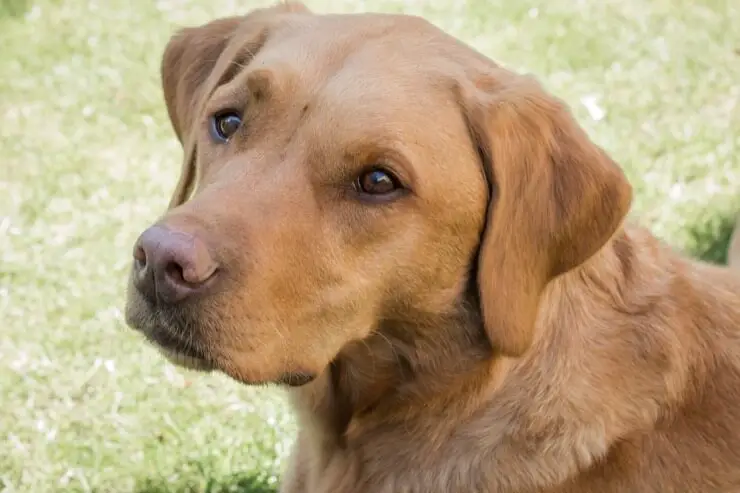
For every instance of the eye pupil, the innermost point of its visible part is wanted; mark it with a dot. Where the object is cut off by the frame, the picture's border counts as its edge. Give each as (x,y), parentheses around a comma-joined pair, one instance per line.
(377,182)
(226,124)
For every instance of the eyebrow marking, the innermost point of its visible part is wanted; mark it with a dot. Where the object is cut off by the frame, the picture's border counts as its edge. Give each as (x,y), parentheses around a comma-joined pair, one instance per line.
(261,83)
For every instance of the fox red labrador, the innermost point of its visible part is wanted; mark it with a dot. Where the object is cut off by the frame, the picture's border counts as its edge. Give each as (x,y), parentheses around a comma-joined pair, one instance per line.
(430,253)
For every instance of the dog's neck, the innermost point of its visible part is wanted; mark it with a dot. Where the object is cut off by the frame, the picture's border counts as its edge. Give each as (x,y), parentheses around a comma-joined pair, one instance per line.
(516,416)
(438,363)
(390,372)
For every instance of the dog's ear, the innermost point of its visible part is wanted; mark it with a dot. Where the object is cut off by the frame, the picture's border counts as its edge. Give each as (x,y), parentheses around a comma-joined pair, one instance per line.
(188,60)
(198,59)
(556,199)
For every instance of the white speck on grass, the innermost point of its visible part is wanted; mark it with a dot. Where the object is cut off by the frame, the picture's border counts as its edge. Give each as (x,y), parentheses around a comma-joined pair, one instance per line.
(51,435)
(712,187)
(676,191)
(20,362)
(61,70)
(34,13)
(591,104)
(77,474)
(117,400)
(4,225)
(17,444)
(173,376)
(662,48)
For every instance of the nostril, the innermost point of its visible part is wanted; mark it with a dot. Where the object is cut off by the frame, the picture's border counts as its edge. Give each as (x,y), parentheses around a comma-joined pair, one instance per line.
(175,273)
(139,256)
(143,276)
(179,279)
(187,277)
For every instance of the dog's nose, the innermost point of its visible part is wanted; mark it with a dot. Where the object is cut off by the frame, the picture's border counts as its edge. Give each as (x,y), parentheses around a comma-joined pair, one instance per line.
(171,265)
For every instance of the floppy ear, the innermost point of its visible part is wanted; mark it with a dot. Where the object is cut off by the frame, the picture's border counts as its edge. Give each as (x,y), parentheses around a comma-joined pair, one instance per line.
(198,59)
(556,199)
(189,58)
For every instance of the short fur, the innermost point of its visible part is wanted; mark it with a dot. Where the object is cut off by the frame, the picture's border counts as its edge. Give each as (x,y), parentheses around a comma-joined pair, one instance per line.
(495,328)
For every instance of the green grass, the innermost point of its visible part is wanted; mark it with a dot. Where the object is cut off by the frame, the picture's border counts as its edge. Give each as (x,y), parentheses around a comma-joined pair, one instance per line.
(88,159)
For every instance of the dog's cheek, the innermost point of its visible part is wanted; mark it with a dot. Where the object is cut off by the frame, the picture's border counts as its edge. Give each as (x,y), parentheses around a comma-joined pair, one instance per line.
(433,273)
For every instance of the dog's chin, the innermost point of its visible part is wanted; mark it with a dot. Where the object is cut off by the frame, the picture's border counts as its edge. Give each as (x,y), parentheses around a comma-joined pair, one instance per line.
(187,361)
(162,328)
(157,329)
(195,363)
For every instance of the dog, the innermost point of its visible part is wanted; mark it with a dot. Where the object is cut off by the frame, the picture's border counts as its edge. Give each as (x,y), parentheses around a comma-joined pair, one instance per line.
(430,255)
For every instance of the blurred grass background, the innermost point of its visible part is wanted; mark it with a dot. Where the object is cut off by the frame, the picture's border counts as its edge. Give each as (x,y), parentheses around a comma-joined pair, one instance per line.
(88,160)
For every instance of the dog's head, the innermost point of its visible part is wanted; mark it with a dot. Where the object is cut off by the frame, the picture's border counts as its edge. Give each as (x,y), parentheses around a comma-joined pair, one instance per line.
(347,171)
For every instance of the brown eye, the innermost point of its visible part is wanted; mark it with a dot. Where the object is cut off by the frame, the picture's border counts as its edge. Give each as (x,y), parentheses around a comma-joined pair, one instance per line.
(377,182)
(225,124)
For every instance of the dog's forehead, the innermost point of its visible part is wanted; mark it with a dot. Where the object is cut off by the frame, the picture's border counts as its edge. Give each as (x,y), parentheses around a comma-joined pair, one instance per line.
(362,59)
(318,29)
(318,46)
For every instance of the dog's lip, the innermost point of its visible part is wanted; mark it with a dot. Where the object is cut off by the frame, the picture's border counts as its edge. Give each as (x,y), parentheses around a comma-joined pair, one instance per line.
(296,378)
(179,353)
(175,350)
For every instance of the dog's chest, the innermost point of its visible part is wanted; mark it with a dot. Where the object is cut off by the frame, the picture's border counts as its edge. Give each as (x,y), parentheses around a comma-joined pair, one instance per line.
(403,468)
(649,465)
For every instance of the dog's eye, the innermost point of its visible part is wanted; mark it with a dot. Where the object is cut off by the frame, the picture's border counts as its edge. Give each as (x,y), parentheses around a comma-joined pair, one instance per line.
(225,124)
(377,182)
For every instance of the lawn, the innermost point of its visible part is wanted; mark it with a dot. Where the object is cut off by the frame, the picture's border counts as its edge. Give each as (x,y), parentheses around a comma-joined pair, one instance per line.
(88,159)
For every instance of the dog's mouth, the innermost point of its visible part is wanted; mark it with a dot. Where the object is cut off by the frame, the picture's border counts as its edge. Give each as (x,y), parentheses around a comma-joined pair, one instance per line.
(179,338)
(179,352)
(167,333)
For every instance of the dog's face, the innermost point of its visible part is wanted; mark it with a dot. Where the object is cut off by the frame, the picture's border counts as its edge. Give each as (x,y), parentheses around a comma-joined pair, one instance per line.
(344,172)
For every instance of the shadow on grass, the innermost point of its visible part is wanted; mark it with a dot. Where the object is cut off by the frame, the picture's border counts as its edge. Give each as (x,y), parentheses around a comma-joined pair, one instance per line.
(712,238)
(237,483)
(13,8)
(234,483)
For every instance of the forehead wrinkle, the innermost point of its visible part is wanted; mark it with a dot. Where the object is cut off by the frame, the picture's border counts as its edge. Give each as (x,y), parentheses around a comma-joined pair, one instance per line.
(307,46)
(297,44)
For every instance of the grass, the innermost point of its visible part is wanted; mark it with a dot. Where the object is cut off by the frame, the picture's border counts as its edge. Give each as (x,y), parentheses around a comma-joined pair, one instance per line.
(88,159)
